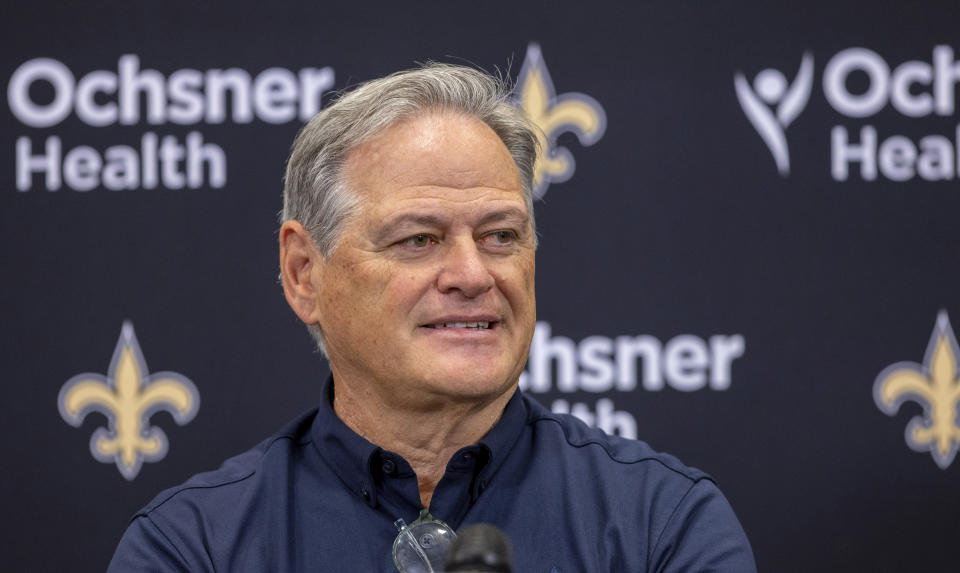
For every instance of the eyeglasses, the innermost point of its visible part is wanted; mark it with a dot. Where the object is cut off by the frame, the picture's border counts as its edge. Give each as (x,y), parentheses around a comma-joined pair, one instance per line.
(421,546)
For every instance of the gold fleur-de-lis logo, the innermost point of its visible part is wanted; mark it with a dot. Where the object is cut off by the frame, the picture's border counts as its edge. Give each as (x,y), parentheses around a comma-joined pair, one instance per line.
(128,396)
(935,385)
(553,114)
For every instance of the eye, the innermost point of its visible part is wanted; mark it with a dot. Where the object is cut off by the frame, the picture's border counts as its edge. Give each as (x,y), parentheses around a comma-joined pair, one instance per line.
(502,239)
(418,241)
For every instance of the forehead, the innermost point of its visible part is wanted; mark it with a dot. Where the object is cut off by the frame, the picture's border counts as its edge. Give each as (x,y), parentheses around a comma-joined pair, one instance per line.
(430,155)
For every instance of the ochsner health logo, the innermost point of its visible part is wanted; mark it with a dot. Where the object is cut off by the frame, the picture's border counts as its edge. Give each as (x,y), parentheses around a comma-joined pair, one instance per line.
(771,105)
(914,89)
(130,96)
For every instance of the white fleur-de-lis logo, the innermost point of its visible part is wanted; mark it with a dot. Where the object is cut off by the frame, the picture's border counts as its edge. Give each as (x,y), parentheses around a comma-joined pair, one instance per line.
(555,114)
(128,396)
(935,385)
(772,105)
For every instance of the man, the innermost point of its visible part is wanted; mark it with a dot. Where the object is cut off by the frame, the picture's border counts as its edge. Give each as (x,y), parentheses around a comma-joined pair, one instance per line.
(407,247)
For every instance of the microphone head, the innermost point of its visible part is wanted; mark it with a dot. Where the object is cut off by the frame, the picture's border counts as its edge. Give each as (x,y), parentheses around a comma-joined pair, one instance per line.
(480,548)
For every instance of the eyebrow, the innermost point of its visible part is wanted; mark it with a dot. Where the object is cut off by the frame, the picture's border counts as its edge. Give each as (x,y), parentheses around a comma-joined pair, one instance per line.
(508,214)
(389,228)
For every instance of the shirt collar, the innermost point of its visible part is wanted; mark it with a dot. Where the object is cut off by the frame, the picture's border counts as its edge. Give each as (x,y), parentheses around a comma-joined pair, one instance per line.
(348,453)
(501,438)
(354,459)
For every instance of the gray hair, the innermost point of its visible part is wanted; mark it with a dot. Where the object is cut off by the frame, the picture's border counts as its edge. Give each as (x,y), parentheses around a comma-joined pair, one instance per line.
(315,192)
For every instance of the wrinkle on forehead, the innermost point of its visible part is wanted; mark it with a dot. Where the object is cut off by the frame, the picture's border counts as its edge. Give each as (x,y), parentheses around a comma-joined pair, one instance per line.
(455,195)
(438,149)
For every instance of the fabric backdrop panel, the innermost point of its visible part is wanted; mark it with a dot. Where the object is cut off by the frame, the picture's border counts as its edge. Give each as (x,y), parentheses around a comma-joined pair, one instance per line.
(748,249)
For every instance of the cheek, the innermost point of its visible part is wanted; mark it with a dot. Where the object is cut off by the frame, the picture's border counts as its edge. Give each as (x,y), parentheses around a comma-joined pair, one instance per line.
(405,291)
(516,282)
(351,298)
(379,298)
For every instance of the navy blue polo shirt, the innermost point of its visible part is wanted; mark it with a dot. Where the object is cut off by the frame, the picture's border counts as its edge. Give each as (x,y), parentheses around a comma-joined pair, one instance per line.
(318,497)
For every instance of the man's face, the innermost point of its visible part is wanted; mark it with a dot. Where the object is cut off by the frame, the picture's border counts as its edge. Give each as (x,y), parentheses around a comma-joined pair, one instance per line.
(430,291)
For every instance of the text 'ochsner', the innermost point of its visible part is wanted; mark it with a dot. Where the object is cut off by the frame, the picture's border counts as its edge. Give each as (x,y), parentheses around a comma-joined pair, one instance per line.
(130,96)
(604,365)
(912,89)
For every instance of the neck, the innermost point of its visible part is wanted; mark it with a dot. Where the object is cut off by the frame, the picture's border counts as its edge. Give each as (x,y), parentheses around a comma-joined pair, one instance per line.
(426,435)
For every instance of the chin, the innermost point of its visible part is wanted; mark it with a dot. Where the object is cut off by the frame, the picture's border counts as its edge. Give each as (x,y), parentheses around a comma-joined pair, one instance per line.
(465,382)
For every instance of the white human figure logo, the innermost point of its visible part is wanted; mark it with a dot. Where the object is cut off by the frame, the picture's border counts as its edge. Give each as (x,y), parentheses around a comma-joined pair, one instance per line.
(771,105)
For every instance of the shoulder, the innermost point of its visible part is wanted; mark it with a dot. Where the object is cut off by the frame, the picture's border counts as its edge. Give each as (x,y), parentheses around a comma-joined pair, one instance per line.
(674,511)
(241,470)
(182,525)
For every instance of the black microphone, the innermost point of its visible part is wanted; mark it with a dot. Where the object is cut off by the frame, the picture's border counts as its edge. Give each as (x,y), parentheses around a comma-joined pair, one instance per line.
(480,548)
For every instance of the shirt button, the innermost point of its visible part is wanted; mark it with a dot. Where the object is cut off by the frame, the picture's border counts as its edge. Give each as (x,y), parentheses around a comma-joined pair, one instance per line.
(365,494)
(467,457)
(483,486)
(389,467)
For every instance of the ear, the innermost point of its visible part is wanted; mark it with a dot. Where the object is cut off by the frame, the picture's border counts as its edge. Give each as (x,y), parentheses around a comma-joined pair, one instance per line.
(299,263)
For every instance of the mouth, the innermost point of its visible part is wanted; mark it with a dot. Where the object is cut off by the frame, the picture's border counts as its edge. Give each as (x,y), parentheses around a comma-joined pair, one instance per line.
(475,325)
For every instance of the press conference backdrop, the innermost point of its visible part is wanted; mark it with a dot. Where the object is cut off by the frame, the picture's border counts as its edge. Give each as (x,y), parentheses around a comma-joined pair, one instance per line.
(748,255)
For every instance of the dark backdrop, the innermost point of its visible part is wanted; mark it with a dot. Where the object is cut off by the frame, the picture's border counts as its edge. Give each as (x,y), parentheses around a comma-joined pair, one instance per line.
(675,223)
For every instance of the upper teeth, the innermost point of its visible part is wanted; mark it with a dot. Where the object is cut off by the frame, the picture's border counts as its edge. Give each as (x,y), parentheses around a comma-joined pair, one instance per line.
(481,324)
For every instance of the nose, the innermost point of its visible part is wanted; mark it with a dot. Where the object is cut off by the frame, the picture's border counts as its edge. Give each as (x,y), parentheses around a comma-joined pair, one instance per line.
(465,270)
